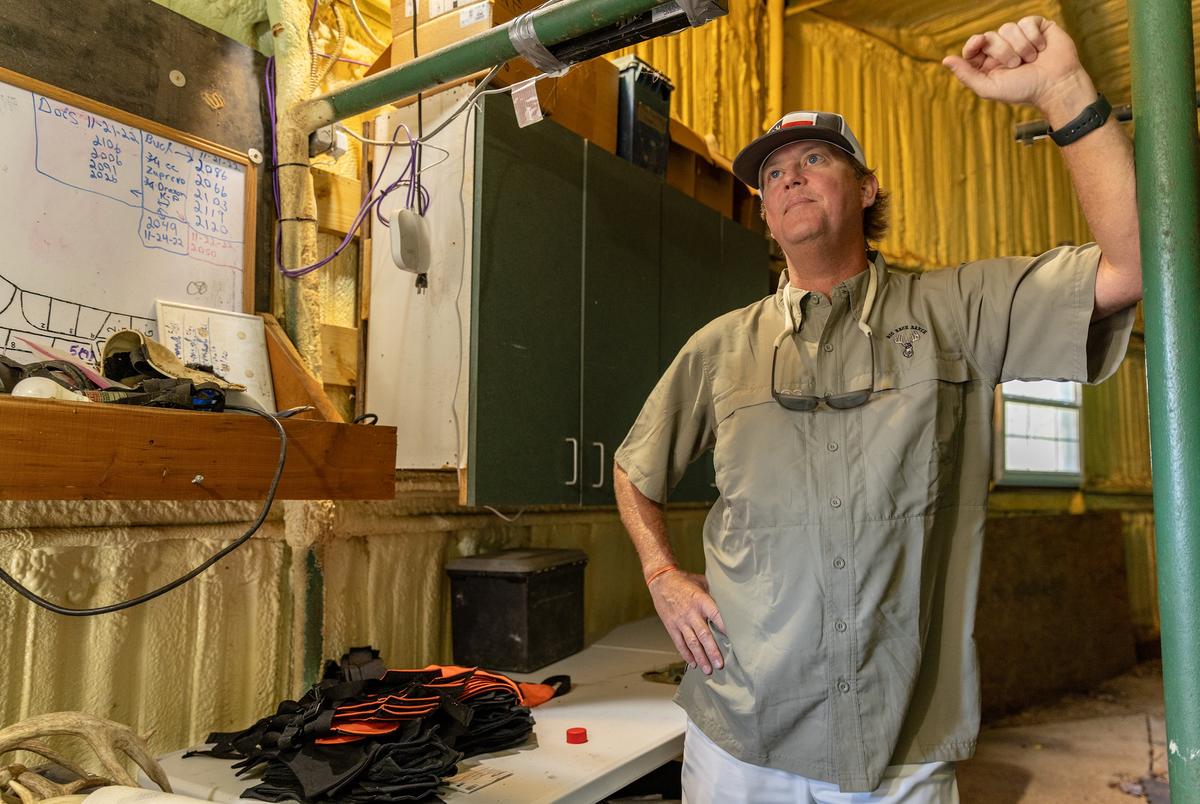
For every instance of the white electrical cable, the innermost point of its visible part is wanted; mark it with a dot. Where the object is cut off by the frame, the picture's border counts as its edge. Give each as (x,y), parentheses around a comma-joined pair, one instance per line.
(420,144)
(358,15)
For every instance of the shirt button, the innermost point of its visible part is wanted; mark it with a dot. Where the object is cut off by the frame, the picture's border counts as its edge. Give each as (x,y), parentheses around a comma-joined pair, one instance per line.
(840,626)
(832,446)
(829,347)
(839,562)
(843,685)
(836,502)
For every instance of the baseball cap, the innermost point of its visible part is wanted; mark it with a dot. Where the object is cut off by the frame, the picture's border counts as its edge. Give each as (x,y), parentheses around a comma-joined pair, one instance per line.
(793,127)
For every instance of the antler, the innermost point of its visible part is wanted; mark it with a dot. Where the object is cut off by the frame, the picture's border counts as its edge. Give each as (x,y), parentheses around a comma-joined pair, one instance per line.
(105,737)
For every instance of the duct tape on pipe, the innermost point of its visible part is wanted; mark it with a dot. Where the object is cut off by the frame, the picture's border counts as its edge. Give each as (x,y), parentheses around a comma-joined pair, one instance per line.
(700,11)
(525,39)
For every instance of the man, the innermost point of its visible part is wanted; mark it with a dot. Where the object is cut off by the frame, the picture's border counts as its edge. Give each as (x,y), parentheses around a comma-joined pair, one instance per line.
(830,639)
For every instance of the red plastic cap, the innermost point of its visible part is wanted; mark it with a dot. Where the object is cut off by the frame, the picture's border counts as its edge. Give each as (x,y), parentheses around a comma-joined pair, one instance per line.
(577,735)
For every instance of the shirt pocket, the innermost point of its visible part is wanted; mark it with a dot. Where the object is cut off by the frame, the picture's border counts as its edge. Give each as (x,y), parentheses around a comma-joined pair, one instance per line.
(912,435)
(759,459)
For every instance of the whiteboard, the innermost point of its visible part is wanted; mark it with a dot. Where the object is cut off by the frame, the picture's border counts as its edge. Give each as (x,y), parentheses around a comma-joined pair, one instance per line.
(103,213)
(233,344)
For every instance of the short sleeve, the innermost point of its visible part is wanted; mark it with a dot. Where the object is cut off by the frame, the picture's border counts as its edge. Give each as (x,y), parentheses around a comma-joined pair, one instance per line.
(676,426)
(1030,318)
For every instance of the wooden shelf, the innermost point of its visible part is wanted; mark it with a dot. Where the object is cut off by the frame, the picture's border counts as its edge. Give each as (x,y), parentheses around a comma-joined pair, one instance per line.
(55,450)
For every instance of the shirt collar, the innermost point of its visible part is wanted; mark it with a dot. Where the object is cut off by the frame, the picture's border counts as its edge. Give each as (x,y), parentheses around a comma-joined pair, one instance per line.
(856,285)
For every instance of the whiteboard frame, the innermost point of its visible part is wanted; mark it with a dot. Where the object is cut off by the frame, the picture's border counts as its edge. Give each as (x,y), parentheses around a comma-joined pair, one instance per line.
(250,191)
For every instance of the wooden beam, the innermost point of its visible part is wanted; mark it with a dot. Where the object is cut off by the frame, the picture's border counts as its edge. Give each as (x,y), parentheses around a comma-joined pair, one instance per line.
(94,451)
(339,355)
(294,385)
(338,201)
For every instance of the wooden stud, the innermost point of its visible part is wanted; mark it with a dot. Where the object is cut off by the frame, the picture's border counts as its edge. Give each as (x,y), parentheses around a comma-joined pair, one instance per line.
(338,201)
(339,355)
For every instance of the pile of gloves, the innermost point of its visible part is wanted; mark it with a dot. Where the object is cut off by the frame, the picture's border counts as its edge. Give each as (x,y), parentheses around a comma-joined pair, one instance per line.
(368,734)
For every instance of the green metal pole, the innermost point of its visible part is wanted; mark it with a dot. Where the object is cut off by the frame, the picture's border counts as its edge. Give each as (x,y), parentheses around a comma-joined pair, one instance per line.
(1164,86)
(554,24)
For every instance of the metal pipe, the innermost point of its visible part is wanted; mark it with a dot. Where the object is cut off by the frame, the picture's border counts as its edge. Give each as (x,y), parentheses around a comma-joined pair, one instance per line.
(554,25)
(1164,83)
(301,314)
(775,25)
(1031,131)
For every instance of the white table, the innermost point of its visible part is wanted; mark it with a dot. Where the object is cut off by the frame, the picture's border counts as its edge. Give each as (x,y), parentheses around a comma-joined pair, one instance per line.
(633,727)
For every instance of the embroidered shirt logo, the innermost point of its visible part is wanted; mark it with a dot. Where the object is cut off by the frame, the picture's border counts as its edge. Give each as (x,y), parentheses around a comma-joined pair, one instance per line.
(906,337)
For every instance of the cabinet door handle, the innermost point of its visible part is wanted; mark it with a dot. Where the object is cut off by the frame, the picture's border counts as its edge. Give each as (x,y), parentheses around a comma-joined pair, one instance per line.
(574,461)
(599,483)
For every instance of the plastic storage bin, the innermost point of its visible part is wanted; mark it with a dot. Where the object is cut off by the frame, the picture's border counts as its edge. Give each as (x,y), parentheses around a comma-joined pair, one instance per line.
(517,610)
(643,114)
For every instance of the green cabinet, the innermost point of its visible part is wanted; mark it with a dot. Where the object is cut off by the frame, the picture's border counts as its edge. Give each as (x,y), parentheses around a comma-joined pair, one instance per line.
(620,310)
(717,267)
(588,274)
(525,317)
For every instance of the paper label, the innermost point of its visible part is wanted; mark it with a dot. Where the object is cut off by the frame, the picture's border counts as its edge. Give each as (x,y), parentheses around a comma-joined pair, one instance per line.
(525,103)
(440,7)
(664,11)
(480,12)
(475,778)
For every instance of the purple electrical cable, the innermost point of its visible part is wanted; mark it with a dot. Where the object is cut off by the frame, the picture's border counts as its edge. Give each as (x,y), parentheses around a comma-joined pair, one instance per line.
(363,211)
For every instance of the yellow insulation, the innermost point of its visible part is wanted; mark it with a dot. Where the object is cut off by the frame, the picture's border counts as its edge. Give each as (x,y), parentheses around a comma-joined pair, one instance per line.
(719,72)
(962,187)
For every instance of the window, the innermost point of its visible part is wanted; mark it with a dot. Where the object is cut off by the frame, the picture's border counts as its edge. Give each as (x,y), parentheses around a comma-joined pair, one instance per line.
(1038,434)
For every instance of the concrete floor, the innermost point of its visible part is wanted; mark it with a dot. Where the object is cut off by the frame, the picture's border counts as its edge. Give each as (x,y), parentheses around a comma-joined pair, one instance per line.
(1106,745)
(1093,747)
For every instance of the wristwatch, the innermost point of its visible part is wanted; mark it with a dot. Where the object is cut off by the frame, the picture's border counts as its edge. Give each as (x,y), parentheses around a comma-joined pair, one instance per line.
(1090,119)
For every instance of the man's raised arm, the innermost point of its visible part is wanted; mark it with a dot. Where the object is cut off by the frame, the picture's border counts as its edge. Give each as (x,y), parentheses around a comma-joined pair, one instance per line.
(1034,61)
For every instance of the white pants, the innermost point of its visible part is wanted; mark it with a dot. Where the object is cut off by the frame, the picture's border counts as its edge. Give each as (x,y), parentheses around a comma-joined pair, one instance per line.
(712,776)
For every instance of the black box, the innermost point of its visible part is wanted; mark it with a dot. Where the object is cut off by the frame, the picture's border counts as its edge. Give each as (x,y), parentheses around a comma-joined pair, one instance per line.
(643,114)
(516,610)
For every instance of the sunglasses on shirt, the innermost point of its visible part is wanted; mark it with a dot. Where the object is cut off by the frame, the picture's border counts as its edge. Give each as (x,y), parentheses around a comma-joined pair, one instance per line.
(806,402)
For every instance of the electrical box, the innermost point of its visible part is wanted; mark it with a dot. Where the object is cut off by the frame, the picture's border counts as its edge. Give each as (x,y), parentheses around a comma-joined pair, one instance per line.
(643,115)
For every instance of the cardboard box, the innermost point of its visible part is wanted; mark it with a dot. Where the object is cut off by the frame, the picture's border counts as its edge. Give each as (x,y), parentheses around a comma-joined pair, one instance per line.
(426,10)
(584,100)
(457,25)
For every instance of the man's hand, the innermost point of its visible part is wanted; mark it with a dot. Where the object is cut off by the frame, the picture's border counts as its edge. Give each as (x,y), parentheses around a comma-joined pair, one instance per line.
(686,609)
(1028,61)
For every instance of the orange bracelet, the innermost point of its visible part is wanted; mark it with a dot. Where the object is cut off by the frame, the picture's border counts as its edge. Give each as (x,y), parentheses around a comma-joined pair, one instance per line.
(659,572)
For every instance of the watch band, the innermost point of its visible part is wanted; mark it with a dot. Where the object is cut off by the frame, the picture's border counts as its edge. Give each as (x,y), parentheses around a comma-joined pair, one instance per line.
(1091,118)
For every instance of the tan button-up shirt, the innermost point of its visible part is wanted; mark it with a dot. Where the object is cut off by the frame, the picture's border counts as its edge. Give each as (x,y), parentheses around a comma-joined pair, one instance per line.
(843,551)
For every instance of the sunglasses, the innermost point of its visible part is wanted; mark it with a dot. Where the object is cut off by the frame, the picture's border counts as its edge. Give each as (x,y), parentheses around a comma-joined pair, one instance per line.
(805,402)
